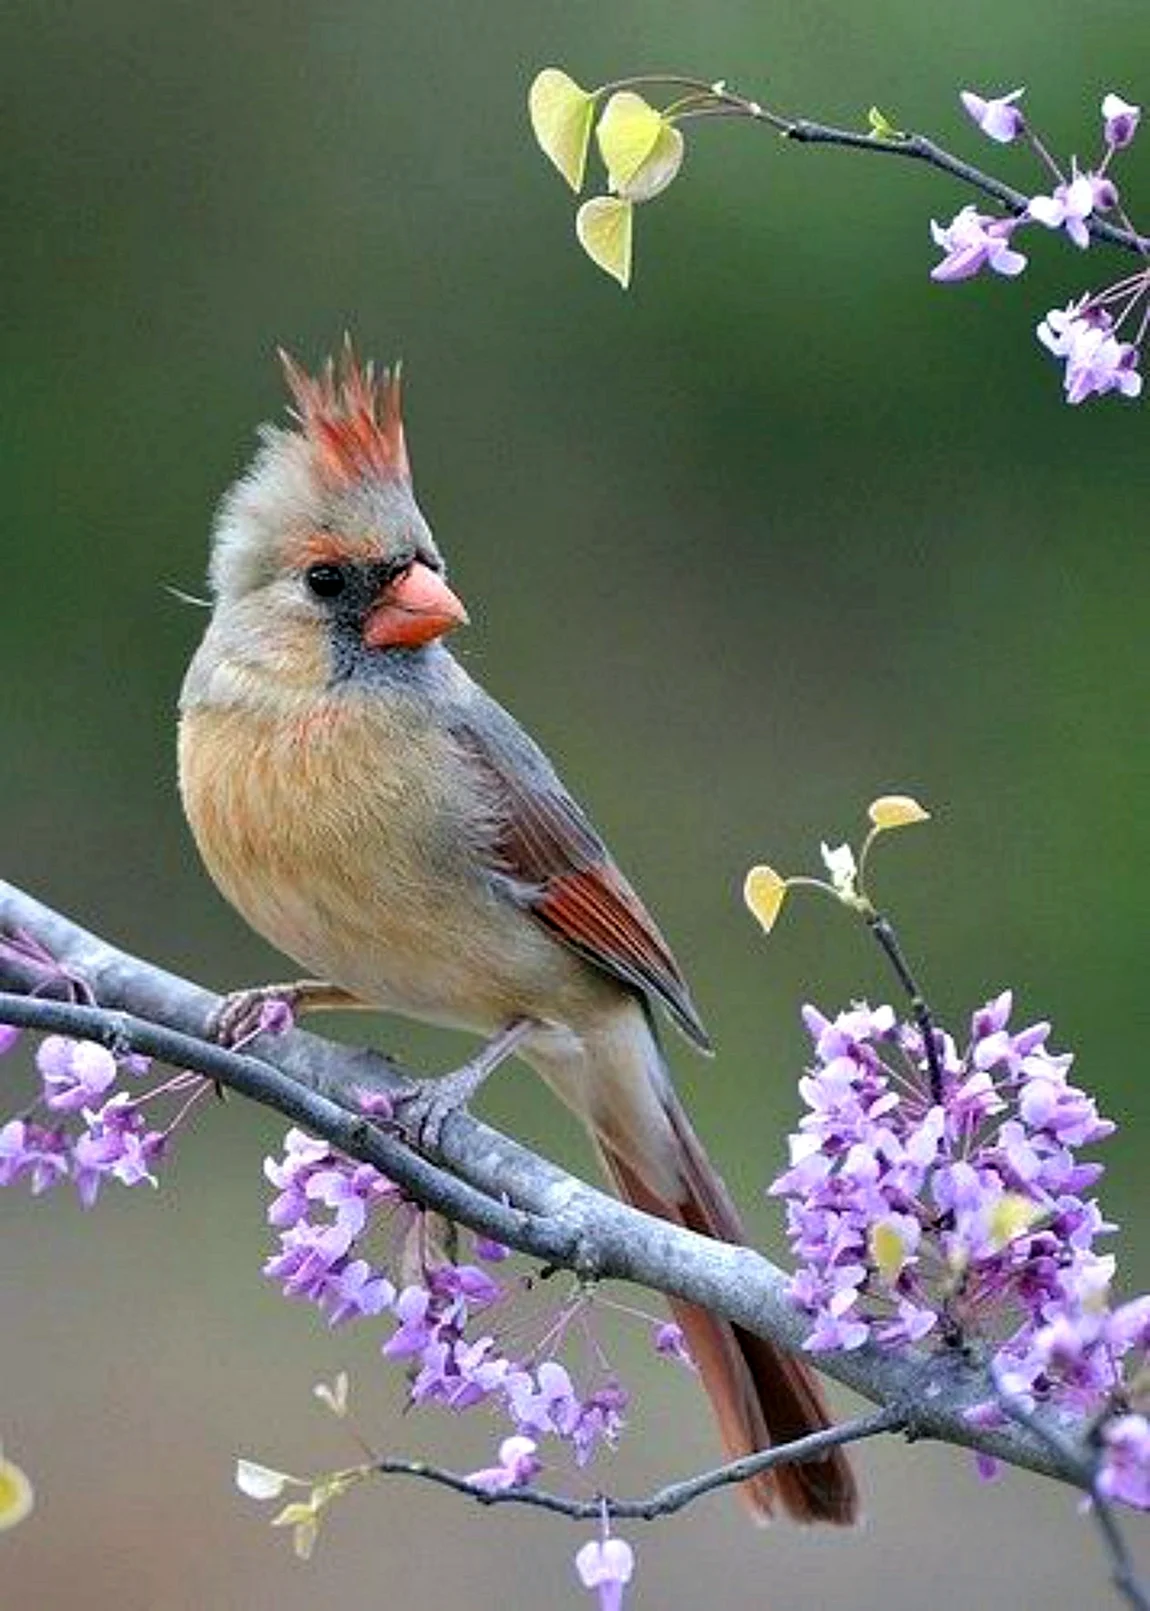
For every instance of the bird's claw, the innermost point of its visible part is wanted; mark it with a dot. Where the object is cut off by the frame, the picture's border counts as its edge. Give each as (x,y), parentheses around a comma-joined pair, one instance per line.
(242,1014)
(426,1106)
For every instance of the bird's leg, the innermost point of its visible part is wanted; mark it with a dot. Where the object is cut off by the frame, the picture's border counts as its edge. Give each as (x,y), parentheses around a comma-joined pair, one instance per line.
(237,1019)
(427,1105)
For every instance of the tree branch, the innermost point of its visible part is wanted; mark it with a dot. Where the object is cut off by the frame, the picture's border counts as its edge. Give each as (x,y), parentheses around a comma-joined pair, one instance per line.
(484,1179)
(666,1501)
(716,100)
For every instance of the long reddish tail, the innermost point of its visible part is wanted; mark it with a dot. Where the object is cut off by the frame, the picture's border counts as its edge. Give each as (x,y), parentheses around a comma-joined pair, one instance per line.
(761,1396)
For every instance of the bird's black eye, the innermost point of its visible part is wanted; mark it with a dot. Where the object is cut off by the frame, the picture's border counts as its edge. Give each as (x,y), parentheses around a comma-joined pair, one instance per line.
(325,581)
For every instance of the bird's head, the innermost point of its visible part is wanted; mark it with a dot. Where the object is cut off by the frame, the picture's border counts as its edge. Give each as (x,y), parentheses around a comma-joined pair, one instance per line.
(320,549)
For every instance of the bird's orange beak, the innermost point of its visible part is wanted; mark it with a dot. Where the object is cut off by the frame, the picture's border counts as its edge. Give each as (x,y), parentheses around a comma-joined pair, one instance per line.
(414,609)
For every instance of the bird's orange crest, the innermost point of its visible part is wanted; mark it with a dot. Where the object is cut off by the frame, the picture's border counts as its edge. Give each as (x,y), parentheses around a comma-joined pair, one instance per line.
(351,417)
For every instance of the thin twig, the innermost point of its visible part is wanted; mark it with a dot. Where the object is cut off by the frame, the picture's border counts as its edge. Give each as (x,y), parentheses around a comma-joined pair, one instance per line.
(884,933)
(665,1501)
(1123,1572)
(911,147)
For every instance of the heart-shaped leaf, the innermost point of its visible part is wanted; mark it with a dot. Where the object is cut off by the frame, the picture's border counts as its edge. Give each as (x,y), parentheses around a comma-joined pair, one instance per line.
(561,114)
(658,167)
(764,892)
(603,226)
(627,134)
(896,811)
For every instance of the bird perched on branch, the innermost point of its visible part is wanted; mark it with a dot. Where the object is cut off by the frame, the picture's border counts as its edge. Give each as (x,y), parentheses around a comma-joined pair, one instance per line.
(372,812)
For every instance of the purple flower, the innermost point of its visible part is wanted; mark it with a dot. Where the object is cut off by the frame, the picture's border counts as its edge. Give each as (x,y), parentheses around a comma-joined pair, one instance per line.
(9,1035)
(76,1073)
(606,1565)
(999,117)
(356,1289)
(1072,204)
(493,1252)
(117,1144)
(276,1017)
(1129,1326)
(30,1150)
(669,1341)
(993,1017)
(832,1334)
(1125,1471)
(414,1332)
(547,1404)
(1096,361)
(483,1370)
(339,1190)
(600,1420)
(311,1258)
(973,241)
(466,1281)
(1121,121)
(518,1465)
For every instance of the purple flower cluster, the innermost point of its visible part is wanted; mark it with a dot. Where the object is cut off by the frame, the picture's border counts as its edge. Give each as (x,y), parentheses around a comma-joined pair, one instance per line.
(962,1214)
(1096,361)
(327,1205)
(1085,334)
(80,1127)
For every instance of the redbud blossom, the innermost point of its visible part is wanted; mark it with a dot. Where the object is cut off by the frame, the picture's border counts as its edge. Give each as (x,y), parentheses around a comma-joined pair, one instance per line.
(973,241)
(606,1565)
(1121,121)
(517,1466)
(1096,361)
(999,118)
(325,1207)
(1071,205)
(962,1219)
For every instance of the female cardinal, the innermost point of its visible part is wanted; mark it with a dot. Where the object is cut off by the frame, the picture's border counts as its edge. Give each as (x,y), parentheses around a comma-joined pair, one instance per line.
(378,817)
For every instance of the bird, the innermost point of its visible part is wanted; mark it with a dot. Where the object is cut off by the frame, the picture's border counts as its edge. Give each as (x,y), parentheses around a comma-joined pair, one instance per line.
(379,818)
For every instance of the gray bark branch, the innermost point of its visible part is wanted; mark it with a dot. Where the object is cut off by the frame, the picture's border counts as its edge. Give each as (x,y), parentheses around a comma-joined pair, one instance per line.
(485,1180)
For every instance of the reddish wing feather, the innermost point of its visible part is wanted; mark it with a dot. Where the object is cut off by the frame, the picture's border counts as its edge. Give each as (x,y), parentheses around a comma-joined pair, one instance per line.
(572,886)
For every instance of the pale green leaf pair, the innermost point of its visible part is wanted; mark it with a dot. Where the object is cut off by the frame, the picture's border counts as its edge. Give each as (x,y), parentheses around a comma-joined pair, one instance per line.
(641,151)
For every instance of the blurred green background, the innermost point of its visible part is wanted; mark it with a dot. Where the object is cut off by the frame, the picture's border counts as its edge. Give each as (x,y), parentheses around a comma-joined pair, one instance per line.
(784,528)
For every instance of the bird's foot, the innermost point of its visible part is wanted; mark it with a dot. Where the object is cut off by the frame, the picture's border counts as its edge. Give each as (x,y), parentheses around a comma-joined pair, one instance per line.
(425,1107)
(270,1009)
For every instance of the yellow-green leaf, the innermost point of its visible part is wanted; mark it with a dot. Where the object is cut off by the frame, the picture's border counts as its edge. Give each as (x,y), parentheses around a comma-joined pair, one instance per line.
(627,134)
(881,126)
(896,811)
(603,226)
(1011,1216)
(658,167)
(764,892)
(887,1249)
(304,1535)
(561,113)
(261,1482)
(17,1495)
(295,1514)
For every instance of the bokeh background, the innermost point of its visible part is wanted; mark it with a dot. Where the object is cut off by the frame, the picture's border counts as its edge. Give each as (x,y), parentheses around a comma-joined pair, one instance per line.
(784,528)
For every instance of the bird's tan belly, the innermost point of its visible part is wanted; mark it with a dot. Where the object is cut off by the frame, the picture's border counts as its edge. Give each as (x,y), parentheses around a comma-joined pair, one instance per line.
(365,881)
